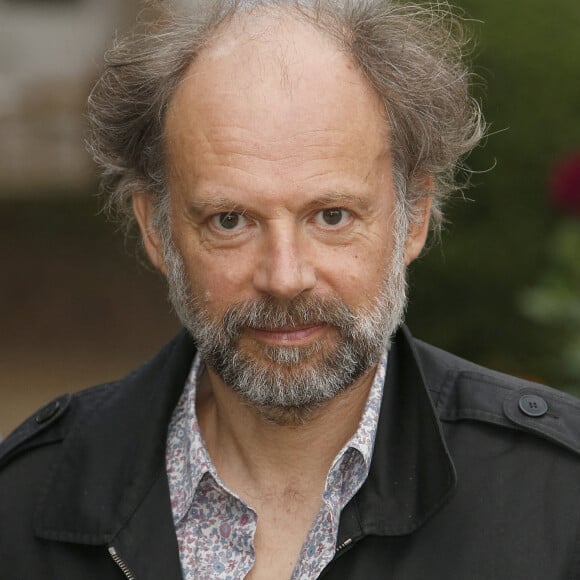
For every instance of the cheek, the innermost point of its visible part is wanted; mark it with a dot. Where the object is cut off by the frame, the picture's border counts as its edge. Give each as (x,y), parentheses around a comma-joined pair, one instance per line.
(357,274)
(218,280)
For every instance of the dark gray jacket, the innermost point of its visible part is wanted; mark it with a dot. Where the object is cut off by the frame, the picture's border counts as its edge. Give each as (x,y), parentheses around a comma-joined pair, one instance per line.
(475,475)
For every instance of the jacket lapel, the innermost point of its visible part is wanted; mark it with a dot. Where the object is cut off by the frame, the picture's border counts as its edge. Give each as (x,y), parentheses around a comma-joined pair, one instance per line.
(411,474)
(110,479)
(147,543)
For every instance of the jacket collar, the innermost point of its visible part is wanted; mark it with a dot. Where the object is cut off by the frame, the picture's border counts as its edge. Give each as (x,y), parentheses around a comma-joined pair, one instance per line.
(114,454)
(412,474)
(113,461)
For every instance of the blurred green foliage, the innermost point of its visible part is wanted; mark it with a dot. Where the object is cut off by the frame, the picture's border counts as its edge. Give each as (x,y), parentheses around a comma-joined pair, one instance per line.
(466,295)
(555,300)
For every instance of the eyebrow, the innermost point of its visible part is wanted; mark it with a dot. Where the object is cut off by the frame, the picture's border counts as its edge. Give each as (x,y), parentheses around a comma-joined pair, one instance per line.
(218,204)
(339,199)
(214,204)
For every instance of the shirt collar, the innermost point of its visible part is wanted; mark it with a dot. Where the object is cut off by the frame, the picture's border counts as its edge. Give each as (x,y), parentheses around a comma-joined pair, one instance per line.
(188,460)
(363,439)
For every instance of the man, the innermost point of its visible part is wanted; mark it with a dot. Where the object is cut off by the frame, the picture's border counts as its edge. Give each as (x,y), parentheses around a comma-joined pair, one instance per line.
(283,162)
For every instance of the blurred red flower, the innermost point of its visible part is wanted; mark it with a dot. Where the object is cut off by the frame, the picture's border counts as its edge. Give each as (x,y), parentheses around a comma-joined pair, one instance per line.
(565,184)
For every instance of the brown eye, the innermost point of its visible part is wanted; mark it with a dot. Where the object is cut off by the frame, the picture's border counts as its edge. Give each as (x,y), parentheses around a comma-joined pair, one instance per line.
(228,221)
(332,217)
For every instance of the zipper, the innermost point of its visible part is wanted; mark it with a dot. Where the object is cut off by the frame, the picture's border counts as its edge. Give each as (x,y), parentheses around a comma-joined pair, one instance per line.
(342,546)
(118,560)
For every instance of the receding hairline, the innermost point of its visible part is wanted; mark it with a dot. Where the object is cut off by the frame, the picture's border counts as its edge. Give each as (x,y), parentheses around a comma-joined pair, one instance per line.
(275,25)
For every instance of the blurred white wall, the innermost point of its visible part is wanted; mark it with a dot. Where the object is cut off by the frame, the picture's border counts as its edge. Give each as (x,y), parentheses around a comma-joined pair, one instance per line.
(50,55)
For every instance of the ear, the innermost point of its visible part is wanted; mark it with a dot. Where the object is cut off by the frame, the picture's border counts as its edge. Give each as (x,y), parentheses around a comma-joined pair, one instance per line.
(418,230)
(144,210)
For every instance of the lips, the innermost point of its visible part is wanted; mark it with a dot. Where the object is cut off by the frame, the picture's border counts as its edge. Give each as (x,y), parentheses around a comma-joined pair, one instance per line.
(287,334)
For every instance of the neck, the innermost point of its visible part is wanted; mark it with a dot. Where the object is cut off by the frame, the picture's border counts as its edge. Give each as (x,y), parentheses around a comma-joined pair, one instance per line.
(251,451)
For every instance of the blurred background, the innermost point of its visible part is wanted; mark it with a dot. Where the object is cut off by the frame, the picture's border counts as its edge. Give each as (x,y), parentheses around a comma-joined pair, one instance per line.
(78,308)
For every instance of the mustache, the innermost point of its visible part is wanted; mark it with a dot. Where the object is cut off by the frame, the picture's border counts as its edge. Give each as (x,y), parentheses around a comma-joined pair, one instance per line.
(269,313)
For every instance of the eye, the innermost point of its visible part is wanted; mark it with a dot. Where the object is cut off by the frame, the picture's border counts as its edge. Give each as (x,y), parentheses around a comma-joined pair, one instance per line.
(228,221)
(333,217)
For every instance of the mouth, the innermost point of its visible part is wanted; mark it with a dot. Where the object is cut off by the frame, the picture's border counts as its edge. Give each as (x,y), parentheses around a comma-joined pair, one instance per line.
(287,336)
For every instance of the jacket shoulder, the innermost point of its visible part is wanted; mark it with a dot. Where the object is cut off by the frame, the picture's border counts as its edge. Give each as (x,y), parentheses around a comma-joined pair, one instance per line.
(59,418)
(50,424)
(65,415)
(462,390)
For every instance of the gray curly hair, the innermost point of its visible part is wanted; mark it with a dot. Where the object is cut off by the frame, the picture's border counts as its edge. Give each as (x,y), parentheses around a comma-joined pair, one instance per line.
(413,56)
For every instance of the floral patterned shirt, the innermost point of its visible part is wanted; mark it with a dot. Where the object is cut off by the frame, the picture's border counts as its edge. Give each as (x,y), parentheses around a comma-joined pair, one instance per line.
(215,528)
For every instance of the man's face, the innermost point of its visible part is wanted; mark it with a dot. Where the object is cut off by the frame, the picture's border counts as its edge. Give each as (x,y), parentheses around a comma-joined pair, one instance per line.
(282,214)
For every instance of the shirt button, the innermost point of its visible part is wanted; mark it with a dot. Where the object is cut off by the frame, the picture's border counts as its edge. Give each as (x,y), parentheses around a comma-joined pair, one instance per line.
(533,405)
(47,413)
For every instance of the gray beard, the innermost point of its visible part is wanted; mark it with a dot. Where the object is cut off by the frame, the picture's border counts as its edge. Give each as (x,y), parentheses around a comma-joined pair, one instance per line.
(287,383)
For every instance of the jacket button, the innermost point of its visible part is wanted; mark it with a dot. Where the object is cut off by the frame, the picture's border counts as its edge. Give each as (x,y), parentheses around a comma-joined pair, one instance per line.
(533,405)
(47,413)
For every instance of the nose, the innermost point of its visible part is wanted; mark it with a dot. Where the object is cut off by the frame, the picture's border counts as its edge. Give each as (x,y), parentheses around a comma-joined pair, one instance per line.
(284,270)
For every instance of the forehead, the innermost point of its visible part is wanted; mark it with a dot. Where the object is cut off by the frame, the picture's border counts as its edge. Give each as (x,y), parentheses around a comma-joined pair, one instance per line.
(271,85)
